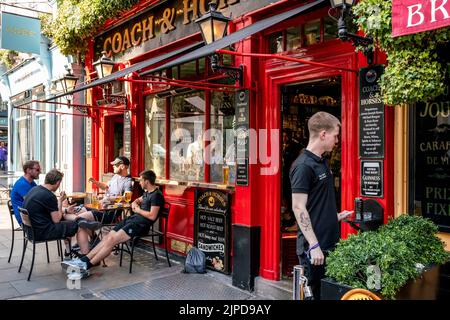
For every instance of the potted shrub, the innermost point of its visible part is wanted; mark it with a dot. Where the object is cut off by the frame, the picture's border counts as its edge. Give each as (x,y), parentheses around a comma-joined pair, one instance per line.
(386,260)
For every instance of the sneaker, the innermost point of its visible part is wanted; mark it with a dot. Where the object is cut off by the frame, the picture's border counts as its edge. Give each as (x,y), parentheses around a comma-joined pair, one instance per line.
(75,247)
(90,225)
(76,264)
(67,256)
(78,275)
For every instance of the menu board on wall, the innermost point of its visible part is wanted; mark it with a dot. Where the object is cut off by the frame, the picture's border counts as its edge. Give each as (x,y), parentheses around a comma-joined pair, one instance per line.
(432,160)
(371,113)
(212,227)
(88,138)
(127,134)
(242,137)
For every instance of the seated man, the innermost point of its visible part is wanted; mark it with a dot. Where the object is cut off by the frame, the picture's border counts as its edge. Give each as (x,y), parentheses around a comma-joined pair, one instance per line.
(45,210)
(146,209)
(31,171)
(119,183)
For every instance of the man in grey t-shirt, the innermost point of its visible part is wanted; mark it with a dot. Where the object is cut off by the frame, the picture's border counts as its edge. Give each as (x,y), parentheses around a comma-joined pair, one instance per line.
(119,183)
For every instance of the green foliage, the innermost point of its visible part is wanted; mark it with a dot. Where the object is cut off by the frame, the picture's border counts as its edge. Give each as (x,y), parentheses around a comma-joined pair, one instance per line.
(79,20)
(395,248)
(8,57)
(414,72)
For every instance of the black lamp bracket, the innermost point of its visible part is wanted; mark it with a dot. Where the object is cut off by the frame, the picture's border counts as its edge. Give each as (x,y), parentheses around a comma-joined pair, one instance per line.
(109,98)
(357,40)
(237,73)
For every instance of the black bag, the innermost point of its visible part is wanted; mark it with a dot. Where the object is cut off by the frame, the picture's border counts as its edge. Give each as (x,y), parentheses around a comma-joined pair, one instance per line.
(195,261)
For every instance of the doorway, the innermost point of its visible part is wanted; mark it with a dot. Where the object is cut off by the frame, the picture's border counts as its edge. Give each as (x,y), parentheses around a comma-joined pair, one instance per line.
(299,102)
(113,142)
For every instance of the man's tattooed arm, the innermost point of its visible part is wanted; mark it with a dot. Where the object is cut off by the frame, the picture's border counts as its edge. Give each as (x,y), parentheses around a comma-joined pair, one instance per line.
(305,221)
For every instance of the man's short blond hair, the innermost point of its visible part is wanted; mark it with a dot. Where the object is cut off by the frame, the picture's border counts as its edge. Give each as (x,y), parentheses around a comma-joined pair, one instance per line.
(322,121)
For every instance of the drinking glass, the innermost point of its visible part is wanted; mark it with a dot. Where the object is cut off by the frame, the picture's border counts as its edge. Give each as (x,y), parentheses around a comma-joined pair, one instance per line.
(127,196)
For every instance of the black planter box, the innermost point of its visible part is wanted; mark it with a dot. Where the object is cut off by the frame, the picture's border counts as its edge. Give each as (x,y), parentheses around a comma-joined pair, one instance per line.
(425,287)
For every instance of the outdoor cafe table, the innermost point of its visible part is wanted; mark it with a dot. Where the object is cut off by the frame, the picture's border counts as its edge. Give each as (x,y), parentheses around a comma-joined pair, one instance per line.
(125,208)
(76,197)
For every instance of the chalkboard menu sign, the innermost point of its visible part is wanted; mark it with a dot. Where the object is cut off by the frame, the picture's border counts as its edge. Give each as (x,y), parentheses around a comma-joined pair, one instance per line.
(371,114)
(372,178)
(432,160)
(127,134)
(242,136)
(212,227)
(88,144)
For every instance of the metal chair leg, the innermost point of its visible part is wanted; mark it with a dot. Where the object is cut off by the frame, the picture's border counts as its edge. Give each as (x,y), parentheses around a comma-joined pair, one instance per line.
(25,243)
(32,261)
(154,248)
(46,248)
(132,253)
(12,245)
(121,254)
(167,252)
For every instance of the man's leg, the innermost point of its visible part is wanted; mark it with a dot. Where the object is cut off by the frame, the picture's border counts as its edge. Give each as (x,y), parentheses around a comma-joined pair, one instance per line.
(104,248)
(83,240)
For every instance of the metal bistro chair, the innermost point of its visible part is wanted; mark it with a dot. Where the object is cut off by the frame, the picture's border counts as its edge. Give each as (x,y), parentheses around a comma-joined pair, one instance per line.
(163,214)
(29,230)
(13,230)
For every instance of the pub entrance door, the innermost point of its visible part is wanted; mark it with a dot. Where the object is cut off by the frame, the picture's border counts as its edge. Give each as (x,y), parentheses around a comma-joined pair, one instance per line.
(299,101)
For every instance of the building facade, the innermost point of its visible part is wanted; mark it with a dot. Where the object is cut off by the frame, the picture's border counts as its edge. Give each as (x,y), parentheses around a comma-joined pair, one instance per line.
(218,149)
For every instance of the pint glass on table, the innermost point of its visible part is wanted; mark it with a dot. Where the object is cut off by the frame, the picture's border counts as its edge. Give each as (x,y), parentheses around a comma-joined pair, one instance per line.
(127,196)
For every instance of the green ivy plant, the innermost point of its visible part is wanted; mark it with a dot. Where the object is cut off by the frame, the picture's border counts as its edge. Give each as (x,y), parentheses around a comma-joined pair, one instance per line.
(413,72)
(396,248)
(77,21)
(8,57)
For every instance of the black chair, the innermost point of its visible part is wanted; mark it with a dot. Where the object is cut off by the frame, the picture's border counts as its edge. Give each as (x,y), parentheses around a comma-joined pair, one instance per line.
(28,235)
(13,230)
(163,214)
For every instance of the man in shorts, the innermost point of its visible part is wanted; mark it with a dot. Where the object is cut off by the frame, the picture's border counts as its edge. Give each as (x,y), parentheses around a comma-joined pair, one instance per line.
(145,209)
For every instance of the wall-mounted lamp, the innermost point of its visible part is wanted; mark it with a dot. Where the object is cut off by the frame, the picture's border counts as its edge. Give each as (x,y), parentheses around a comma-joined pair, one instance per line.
(67,84)
(345,7)
(104,67)
(213,26)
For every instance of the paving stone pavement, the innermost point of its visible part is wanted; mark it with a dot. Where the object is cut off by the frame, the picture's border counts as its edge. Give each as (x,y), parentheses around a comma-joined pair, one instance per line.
(151,278)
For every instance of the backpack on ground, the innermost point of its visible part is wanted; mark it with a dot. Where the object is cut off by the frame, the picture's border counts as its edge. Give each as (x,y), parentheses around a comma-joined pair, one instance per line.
(195,261)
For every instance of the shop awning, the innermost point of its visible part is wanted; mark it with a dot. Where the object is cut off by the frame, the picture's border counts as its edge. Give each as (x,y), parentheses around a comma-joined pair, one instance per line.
(197,49)
(237,36)
(133,68)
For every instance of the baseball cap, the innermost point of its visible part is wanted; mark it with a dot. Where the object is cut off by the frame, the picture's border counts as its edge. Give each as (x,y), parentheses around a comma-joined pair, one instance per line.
(120,160)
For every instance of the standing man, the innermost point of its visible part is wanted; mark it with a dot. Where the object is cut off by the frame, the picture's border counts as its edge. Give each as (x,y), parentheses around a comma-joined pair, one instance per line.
(314,200)
(31,170)
(3,156)
(146,210)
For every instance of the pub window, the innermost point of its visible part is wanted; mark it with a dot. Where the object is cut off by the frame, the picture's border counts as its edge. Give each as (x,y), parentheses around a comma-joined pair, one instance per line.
(23,137)
(312,32)
(187,124)
(155,135)
(330,29)
(293,38)
(188,70)
(276,42)
(222,140)
(431,156)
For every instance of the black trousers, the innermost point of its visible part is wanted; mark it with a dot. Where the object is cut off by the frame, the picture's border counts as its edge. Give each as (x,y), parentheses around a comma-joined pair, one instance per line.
(313,273)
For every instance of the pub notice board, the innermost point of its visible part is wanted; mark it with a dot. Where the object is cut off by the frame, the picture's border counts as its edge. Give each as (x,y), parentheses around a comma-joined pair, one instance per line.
(212,227)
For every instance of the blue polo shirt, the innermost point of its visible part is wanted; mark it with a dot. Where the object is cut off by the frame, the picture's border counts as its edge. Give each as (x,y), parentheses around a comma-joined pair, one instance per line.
(19,191)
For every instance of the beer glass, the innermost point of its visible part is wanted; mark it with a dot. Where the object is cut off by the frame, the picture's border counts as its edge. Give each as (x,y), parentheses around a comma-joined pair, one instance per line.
(127,196)
(226,171)
(95,202)
(118,199)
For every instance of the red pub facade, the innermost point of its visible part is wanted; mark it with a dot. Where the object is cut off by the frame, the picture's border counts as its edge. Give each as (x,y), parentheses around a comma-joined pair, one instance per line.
(159,114)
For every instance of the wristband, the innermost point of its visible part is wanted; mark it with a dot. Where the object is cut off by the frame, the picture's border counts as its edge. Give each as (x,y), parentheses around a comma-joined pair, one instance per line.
(312,248)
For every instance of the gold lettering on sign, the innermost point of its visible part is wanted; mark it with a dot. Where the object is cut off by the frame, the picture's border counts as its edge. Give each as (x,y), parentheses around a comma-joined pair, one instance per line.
(106,46)
(147,29)
(168,18)
(137,27)
(117,42)
(126,40)
(190,6)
